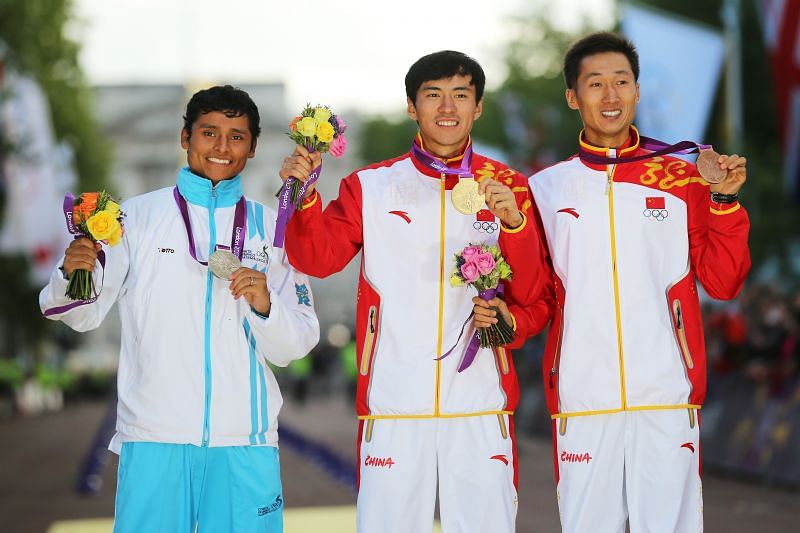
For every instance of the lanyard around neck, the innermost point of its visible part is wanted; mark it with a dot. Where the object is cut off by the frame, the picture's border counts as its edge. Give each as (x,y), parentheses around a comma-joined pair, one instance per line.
(239,226)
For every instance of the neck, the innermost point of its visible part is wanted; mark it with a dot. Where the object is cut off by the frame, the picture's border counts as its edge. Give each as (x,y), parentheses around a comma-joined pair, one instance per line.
(607,141)
(442,152)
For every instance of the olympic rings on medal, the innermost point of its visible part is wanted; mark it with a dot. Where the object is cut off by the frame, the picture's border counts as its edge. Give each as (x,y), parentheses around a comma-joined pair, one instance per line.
(655,214)
(485,227)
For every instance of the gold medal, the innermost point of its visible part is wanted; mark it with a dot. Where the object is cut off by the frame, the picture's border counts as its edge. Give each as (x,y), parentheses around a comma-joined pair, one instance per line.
(466,198)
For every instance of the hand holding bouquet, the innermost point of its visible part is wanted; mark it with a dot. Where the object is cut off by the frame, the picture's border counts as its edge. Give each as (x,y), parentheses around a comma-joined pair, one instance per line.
(483,266)
(318,130)
(96,216)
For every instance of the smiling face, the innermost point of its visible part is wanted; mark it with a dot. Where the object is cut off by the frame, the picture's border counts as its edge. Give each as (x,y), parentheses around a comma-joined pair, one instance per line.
(605,95)
(219,146)
(445,110)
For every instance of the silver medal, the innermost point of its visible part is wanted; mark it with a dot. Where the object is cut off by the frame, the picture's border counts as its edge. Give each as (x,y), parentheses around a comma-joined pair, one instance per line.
(223,264)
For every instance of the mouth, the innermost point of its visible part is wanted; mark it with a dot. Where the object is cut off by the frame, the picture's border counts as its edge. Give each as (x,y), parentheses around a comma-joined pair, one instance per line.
(611,114)
(219,161)
(448,123)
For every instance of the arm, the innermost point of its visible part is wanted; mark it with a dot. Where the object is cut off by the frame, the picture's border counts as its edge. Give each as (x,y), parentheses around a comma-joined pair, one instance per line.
(108,280)
(322,243)
(718,233)
(291,329)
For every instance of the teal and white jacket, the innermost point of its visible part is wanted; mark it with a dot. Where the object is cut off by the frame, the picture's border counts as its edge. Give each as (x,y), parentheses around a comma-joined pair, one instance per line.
(193,361)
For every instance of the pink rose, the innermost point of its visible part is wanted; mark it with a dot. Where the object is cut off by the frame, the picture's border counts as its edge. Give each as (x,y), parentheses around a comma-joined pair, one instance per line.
(470,253)
(485,263)
(338,146)
(342,127)
(469,271)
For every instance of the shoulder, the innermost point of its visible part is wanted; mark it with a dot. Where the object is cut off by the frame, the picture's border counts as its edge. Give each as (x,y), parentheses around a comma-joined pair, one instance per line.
(380,166)
(567,165)
(485,167)
(148,201)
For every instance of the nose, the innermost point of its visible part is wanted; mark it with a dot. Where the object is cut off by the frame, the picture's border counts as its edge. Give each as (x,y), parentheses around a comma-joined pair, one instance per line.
(447,104)
(222,143)
(611,94)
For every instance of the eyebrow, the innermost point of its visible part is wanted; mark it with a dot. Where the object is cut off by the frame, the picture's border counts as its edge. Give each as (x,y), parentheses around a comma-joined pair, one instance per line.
(209,126)
(621,71)
(435,88)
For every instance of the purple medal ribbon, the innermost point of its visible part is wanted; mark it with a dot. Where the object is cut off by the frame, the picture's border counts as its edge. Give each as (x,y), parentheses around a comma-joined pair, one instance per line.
(239,226)
(475,341)
(658,148)
(463,171)
(69,202)
(286,207)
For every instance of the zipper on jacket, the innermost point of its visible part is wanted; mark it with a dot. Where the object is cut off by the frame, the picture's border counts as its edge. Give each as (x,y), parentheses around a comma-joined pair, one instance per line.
(368,341)
(615,275)
(212,227)
(681,334)
(442,195)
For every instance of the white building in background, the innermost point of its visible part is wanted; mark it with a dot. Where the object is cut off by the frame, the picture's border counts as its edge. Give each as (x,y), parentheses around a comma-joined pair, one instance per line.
(143,125)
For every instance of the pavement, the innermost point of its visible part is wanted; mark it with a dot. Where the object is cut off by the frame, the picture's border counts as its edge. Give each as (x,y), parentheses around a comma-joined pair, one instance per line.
(41,459)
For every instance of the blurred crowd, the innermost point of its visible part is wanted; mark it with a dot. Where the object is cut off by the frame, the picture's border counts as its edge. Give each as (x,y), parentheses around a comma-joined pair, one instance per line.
(757,336)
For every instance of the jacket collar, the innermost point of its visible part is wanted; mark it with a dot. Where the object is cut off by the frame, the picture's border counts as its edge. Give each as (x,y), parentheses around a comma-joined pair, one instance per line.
(199,191)
(628,148)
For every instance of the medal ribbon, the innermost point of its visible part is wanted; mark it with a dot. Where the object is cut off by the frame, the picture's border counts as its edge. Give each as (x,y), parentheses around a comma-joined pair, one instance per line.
(239,226)
(286,207)
(475,341)
(463,171)
(69,202)
(658,148)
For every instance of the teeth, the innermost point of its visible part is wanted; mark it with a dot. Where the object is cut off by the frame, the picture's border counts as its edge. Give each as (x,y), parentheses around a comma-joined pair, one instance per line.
(447,123)
(219,161)
(611,114)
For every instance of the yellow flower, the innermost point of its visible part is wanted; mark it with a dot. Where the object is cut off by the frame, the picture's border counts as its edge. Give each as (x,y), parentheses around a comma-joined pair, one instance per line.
(456,280)
(325,132)
(307,127)
(321,115)
(103,225)
(112,207)
(115,237)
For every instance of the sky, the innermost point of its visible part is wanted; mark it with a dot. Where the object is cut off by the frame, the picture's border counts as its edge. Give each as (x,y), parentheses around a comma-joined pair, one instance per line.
(348,54)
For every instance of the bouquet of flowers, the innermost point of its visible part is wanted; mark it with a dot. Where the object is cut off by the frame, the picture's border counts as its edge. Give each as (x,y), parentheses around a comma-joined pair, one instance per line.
(95,215)
(319,130)
(484,267)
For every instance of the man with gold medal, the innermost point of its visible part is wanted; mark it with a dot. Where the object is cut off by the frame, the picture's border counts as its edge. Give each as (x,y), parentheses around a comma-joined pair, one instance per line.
(424,428)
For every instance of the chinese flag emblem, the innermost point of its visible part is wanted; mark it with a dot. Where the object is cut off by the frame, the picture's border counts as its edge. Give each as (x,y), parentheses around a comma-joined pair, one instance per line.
(484,215)
(655,202)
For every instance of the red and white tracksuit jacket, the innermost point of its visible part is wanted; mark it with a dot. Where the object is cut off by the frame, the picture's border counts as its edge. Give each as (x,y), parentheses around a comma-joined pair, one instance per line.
(627,243)
(398,214)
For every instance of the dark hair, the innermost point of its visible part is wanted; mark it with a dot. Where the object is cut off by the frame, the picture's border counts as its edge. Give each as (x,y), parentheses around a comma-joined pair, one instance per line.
(444,64)
(231,101)
(598,43)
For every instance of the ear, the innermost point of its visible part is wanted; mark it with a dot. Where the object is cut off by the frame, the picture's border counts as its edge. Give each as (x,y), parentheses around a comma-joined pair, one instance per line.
(252,152)
(412,110)
(184,139)
(572,99)
(478,110)
(638,95)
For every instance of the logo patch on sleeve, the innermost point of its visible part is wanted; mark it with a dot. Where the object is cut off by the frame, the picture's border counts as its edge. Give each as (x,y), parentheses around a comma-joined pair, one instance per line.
(303,297)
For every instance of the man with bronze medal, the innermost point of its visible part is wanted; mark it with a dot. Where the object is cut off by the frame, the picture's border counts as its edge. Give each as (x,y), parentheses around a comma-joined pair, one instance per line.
(205,302)
(630,230)
(426,429)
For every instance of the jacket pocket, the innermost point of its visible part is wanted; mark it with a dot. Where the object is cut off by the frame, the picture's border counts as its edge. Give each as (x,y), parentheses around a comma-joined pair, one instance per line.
(680,334)
(370,340)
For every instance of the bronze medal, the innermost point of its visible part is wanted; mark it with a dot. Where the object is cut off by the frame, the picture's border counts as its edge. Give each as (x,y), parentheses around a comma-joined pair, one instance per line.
(466,198)
(708,166)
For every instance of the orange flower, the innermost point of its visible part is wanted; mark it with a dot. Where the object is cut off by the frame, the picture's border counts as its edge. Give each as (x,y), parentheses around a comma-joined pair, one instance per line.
(83,210)
(293,123)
